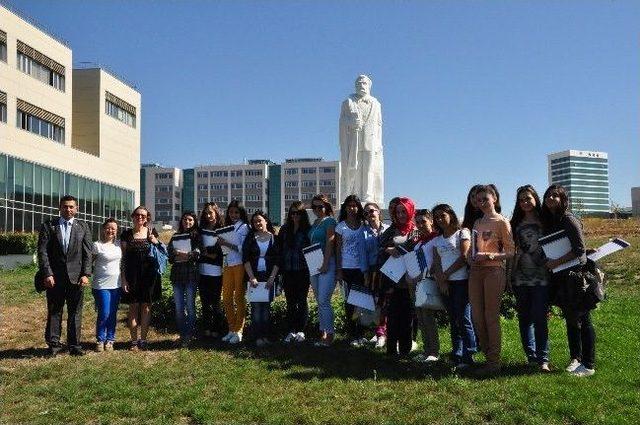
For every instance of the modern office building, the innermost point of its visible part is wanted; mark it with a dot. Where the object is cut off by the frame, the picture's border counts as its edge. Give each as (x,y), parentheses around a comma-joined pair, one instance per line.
(161,192)
(259,184)
(585,175)
(248,183)
(635,201)
(302,178)
(62,132)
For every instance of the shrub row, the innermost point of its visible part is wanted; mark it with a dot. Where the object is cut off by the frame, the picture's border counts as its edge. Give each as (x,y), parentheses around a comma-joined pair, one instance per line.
(18,243)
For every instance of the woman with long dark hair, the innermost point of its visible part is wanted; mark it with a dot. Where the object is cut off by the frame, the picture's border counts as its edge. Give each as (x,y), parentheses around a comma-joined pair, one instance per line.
(580,332)
(351,259)
(529,277)
(184,276)
(210,283)
(295,274)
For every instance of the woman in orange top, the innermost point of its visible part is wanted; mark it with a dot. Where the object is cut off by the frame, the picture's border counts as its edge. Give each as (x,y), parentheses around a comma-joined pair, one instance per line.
(492,245)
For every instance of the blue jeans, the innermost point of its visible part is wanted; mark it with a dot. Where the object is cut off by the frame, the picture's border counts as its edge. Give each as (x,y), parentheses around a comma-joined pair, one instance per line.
(260,318)
(107,307)
(323,285)
(532,303)
(463,336)
(184,295)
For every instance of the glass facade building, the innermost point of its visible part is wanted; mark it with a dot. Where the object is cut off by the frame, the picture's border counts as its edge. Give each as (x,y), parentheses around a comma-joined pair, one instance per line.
(30,194)
(585,175)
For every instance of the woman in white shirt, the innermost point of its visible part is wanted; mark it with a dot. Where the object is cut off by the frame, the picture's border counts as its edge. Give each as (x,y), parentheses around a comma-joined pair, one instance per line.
(106,284)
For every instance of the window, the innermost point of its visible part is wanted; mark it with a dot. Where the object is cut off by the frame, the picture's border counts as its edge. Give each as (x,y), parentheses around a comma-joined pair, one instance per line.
(219,199)
(162,176)
(39,71)
(290,184)
(3,46)
(120,114)
(307,196)
(328,169)
(308,170)
(291,171)
(3,107)
(253,198)
(290,196)
(163,188)
(203,200)
(40,126)
(203,174)
(253,172)
(219,186)
(202,187)
(220,173)
(253,185)
(235,173)
(325,183)
(236,185)
(308,183)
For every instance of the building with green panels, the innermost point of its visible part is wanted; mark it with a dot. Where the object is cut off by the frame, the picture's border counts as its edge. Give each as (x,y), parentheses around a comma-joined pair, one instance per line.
(585,175)
(30,194)
(274,193)
(188,193)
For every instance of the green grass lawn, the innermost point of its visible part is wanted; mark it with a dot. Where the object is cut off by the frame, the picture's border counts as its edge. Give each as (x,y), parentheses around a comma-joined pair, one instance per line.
(301,384)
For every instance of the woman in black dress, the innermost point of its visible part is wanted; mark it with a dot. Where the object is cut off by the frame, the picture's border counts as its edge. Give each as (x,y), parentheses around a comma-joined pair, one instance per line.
(140,280)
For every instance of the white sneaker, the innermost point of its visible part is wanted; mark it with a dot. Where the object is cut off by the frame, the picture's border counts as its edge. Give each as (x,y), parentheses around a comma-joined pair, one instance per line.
(381,341)
(582,371)
(227,337)
(573,365)
(359,342)
(414,346)
(236,338)
(289,338)
(421,358)
(300,337)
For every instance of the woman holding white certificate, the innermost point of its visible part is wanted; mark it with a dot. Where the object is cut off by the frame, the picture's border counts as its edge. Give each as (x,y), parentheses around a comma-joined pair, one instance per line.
(233,283)
(322,232)
(351,259)
(184,249)
(210,283)
(580,332)
(261,257)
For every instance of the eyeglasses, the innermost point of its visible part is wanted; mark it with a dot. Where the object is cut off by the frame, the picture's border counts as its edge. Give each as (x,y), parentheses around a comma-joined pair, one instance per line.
(317,207)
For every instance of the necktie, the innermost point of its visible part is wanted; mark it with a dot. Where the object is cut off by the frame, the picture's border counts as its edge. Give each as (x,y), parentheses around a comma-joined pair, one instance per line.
(66,236)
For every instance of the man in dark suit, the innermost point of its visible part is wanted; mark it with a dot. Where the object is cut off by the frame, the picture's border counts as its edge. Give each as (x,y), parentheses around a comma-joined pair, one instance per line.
(64,261)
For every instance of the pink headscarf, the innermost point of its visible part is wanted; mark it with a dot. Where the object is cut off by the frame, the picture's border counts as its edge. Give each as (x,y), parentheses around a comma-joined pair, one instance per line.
(410,207)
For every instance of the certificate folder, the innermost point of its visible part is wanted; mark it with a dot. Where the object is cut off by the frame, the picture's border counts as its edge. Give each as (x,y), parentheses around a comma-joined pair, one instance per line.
(314,257)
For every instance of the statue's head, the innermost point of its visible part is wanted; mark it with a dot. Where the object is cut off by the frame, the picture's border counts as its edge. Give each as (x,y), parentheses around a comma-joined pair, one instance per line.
(363,85)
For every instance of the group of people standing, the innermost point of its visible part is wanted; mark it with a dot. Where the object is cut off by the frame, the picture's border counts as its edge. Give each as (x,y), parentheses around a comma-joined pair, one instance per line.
(467,259)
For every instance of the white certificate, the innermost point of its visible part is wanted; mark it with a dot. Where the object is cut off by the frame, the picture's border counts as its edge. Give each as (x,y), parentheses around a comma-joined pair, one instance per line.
(209,238)
(394,268)
(314,257)
(259,294)
(362,297)
(415,262)
(181,242)
(228,234)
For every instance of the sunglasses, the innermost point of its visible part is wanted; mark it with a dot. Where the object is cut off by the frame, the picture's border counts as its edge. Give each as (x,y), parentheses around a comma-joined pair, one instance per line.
(317,207)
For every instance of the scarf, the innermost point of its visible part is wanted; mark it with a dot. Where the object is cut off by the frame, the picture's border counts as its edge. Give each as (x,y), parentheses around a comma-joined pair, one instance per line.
(410,207)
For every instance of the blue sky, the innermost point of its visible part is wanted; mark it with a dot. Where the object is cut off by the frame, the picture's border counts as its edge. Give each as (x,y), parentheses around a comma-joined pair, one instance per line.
(471,91)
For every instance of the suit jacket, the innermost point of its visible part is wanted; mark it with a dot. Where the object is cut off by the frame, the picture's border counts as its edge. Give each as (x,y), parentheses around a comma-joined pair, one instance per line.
(52,261)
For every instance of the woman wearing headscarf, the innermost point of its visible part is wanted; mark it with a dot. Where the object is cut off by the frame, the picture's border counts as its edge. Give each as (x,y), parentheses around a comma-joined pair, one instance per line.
(403,233)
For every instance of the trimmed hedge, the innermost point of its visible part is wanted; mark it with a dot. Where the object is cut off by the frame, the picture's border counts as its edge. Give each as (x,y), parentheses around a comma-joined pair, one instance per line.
(18,243)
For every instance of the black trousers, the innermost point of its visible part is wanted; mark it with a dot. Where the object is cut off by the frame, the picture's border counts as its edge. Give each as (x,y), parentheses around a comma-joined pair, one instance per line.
(295,284)
(399,318)
(210,288)
(352,277)
(581,336)
(64,291)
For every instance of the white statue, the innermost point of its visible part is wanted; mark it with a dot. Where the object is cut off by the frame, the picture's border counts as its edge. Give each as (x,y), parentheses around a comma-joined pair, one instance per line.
(362,163)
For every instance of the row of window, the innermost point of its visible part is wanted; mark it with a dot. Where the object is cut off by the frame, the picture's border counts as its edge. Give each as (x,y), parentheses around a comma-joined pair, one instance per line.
(39,126)
(578,158)
(163,176)
(225,173)
(293,171)
(30,194)
(120,114)
(224,186)
(3,52)
(3,112)
(40,72)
